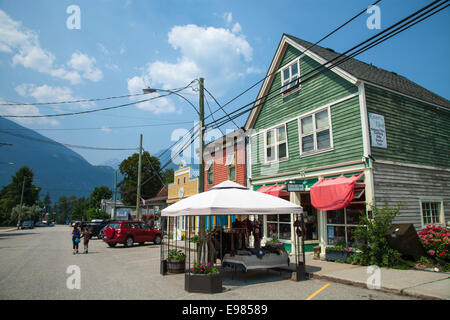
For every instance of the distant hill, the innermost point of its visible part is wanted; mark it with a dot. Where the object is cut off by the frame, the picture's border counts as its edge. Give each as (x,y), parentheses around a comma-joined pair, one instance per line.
(58,169)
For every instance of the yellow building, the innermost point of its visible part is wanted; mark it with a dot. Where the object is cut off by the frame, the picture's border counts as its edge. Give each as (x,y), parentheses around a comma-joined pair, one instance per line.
(185,184)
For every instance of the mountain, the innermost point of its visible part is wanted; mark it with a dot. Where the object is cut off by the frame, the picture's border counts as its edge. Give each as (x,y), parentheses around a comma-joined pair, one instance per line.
(113,163)
(58,169)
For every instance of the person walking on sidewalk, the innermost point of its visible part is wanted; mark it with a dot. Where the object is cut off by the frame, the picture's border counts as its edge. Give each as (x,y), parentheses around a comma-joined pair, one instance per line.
(76,235)
(86,235)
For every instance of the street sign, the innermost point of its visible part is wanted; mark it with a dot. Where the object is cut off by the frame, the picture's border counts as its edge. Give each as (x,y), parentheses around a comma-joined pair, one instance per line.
(295,187)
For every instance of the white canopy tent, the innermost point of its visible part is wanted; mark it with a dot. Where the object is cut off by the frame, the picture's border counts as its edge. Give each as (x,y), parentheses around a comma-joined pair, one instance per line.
(229,198)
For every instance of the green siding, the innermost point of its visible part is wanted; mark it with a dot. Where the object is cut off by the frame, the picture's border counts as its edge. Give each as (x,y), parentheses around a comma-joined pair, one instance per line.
(325,88)
(415,132)
(347,140)
(315,93)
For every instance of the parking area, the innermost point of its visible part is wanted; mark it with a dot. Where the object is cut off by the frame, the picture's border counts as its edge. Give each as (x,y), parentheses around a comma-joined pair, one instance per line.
(39,264)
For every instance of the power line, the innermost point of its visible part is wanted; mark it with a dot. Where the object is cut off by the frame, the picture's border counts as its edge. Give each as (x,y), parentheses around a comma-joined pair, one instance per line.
(13,103)
(221,121)
(100,128)
(94,110)
(65,144)
(209,93)
(308,49)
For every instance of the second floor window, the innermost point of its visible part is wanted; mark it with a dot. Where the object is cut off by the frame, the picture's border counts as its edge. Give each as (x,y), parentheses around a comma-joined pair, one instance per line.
(315,132)
(231,163)
(289,74)
(276,144)
(209,172)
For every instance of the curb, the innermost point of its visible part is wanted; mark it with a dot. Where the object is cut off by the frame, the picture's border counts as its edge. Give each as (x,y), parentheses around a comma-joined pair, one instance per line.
(400,292)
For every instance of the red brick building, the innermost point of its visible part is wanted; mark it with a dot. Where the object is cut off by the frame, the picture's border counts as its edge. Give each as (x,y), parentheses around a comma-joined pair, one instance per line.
(225,159)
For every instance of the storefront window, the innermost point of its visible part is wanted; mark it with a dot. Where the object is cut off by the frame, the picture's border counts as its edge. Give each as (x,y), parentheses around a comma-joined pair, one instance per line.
(342,223)
(280,226)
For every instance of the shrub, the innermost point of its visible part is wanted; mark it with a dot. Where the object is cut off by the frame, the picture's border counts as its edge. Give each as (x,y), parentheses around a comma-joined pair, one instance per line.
(436,240)
(371,232)
(176,255)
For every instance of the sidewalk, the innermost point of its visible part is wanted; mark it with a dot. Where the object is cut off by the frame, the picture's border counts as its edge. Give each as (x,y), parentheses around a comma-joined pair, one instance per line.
(415,283)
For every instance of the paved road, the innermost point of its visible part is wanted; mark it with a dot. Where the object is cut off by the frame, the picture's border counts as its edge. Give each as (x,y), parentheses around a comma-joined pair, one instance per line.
(34,263)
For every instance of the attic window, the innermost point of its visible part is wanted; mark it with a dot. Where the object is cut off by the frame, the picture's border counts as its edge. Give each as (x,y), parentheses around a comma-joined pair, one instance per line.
(289,75)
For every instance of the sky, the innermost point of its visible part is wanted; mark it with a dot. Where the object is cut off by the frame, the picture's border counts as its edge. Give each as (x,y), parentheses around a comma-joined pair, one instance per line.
(83,49)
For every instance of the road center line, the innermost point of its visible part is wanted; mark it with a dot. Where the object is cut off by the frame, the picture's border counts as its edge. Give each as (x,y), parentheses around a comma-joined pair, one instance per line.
(317,292)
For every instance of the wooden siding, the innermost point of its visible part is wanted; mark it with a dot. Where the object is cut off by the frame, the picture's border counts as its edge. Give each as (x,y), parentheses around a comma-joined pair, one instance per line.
(317,92)
(347,143)
(396,185)
(415,132)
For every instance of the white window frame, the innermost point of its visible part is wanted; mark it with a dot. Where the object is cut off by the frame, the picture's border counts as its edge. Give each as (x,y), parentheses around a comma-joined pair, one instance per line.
(440,201)
(315,132)
(288,89)
(276,144)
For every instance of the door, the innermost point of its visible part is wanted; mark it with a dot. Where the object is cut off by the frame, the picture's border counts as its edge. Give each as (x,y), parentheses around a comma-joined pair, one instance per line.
(148,234)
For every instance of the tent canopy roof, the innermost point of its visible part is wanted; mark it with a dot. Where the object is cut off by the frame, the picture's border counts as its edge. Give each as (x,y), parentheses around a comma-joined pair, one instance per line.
(229,198)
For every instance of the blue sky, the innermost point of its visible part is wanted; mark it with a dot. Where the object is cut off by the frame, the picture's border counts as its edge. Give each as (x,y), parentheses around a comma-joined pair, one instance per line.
(122,46)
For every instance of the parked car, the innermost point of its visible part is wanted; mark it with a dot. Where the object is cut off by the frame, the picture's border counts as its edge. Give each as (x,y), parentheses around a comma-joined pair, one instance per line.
(28,224)
(40,224)
(129,232)
(95,226)
(51,224)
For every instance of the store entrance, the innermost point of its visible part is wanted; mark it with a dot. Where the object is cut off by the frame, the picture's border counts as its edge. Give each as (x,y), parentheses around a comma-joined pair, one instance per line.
(310,217)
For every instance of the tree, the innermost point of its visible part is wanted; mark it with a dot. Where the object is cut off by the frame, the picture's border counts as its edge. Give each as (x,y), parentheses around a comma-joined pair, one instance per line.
(98,194)
(28,213)
(150,185)
(11,195)
(168,175)
(79,210)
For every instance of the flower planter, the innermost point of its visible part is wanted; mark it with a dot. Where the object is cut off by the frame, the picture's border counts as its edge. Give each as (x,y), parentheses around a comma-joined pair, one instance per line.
(336,255)
(203,283)
(176,266)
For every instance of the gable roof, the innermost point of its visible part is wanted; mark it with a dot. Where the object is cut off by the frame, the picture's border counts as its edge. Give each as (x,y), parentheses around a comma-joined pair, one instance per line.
(352,68)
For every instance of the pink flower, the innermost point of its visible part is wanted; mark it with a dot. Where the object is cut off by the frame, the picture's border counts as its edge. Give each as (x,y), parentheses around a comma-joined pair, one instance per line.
(431,252)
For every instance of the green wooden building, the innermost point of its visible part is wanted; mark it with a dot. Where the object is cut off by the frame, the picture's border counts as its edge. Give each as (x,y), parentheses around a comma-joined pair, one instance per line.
(355,118)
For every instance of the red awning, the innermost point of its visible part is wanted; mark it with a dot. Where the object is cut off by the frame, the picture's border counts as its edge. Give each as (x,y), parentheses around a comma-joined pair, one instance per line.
(333,194)
(275,190)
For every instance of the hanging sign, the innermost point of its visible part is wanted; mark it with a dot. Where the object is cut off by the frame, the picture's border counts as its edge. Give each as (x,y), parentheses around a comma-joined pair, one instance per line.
(377,130)
(295,187)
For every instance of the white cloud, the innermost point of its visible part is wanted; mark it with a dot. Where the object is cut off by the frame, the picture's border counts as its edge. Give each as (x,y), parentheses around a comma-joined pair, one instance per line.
(85,65)
(228,17)
(103,49)
(236,28)
(23,43)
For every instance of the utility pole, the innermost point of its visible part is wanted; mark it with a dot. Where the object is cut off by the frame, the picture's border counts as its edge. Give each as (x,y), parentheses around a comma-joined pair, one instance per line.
(201,184)
(138,197)
(115,196)
(21,201)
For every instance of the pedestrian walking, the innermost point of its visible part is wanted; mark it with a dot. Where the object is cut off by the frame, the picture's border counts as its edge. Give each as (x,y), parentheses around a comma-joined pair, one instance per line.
(76,235)
(86,235)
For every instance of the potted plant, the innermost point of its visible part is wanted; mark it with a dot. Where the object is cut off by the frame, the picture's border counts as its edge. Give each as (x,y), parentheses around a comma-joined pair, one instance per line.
(176,261)
(203,279)
(340,252)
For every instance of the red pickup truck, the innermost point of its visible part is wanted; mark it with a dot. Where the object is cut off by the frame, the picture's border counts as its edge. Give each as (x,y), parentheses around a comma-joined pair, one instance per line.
(129,232)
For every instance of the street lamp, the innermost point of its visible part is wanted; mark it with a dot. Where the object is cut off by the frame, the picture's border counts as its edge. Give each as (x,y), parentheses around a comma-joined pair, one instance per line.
(152,90)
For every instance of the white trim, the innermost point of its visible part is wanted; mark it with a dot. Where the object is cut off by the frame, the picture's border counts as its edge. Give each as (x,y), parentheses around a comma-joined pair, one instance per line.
(418,166)
(441,209)
(314,132)
(183,171)
(286,90)
(276,144)
(364,119)
(285,41)
(329,104)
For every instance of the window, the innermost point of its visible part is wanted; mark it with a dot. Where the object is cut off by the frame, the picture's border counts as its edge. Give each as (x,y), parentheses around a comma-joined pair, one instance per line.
(432,212)
(289,74)
(210,173)
(231,163)
(279,225)
(315,132)
(184,180)
(342,223)
(276,144)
